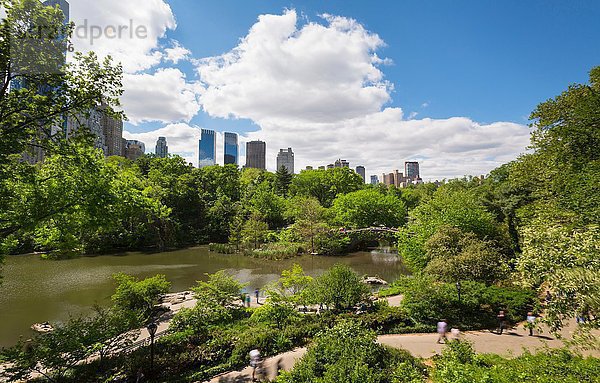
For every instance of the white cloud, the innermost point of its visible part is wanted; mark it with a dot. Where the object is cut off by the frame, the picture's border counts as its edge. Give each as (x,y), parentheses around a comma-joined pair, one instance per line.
(318,89)
(281,72)
(164,95)
(176,53)
(382,141)
(128,30)
(182,139)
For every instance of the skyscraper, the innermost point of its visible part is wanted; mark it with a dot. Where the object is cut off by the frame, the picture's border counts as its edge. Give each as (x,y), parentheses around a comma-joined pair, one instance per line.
(162,150)
(134,149)
(256,154)
(360,170)
(374,180)
(207,148)
(113,132)
(285,158)
(411,169)
(230,145)
(342,163)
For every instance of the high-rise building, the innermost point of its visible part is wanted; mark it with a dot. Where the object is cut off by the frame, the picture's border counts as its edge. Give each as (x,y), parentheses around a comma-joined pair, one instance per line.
(113,132)
(360,170)
(285,158)
(256,154)
(85,124)
(162,150)
(341,164)
(207,148)
(230,148)
(374,180)
(134,149)
(411,169)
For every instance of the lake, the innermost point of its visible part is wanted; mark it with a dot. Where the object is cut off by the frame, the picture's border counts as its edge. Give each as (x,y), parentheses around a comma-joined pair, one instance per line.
(35,290)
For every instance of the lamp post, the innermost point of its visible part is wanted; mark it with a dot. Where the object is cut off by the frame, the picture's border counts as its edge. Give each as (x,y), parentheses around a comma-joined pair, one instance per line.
(458,290)
(152,327)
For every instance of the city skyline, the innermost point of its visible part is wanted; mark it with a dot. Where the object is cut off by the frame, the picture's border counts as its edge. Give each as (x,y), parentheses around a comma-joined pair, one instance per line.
(407,90)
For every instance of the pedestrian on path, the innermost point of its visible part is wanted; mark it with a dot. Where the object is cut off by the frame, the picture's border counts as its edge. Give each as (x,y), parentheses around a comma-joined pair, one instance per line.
(531,322)
(501,321)
(455,333)
(256,363)
(442,329)
(256,292)
(247,300)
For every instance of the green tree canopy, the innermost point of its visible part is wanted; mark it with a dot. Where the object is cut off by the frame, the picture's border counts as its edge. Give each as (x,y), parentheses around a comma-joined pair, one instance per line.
(369,207)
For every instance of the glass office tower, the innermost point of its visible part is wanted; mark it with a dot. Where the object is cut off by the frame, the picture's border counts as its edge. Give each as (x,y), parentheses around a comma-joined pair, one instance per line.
(207,148)
(230,145)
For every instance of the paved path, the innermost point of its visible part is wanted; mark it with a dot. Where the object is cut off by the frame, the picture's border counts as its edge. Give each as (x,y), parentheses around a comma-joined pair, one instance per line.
(514,342)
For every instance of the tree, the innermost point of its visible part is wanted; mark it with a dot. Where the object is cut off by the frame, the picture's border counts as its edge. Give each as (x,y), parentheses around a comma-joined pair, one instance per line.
(309,218)
(50,91)
(220,287)
(55,353)
(366,208)
(283,179)
(255,230)
(139,296)
(456,208)
(325,185)
(456,256)
(339,287)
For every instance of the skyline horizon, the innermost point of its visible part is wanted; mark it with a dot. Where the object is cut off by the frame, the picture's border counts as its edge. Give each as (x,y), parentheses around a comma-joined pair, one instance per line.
(343,78)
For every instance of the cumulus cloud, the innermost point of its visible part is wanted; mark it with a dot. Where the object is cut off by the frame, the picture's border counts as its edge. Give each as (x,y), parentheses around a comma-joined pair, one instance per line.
(282,72)
(177,53)
(127,30)
(318,88)
(382,141)
(164,95)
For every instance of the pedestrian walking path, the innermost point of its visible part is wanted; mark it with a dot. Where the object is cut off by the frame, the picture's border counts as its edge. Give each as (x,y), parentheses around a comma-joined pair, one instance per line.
(511,343)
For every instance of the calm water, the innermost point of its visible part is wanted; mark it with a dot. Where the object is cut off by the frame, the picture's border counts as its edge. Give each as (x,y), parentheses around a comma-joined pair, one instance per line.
(34,290)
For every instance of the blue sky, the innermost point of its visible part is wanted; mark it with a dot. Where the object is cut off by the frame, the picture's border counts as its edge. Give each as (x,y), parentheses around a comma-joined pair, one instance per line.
(482,59)
(486,62)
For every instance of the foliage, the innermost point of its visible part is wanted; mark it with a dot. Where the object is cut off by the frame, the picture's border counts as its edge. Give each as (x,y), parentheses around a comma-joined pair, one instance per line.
(254,230)
(339,287)
(426,301)
(50,91)
(455,256)
(54,354)
(448,207)
(458,363)
(368,207)
(349,353)
(139,296)
(283,179)
(310,218)
(221,288)
(325,185)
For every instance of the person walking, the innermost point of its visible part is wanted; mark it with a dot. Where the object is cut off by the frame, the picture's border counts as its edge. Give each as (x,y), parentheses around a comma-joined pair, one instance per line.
(501,321)
(247,300)
(256,364)
(531,322)
(442,329)
(256,293)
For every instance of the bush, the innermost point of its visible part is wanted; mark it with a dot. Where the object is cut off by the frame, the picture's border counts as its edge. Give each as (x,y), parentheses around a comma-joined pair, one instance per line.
(349,353)
(222,248)
(459,364)
(427,301)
